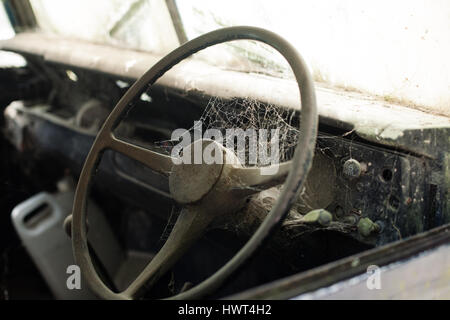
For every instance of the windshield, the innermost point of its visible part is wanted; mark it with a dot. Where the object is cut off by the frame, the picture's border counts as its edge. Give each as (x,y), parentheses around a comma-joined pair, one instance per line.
(133,23)
(396,50)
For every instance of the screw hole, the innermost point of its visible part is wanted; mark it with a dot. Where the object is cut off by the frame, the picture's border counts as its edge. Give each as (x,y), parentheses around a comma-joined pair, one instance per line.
(387,175)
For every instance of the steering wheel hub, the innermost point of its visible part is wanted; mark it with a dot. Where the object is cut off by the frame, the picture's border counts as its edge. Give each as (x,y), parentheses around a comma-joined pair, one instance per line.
(193,170)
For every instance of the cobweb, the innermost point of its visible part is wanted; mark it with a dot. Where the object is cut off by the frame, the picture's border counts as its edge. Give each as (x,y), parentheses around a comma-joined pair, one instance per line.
(252,114)
(237,113)
(222,114)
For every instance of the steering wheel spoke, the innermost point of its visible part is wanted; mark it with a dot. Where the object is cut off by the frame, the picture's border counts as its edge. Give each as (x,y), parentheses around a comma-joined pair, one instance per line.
(252,180)
(153,160)
(190,226)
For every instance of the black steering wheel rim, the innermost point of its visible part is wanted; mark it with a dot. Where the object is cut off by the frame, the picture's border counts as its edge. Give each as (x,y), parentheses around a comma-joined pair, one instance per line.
(301,163)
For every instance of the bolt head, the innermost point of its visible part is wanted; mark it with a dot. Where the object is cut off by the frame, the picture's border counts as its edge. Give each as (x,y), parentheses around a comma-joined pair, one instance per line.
(352,169)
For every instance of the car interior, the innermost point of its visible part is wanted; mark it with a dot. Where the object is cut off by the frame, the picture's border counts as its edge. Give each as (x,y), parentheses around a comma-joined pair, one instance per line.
(91,94)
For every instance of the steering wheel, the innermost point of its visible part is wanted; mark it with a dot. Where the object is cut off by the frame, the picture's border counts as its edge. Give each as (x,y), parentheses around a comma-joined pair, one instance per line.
(205,192)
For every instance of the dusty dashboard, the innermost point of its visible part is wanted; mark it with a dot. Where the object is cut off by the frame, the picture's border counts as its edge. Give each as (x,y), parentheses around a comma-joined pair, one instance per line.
(376,193)
(380,170)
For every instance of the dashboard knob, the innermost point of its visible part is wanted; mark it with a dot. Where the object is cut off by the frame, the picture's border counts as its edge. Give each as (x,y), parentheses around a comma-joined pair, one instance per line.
(352,169)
